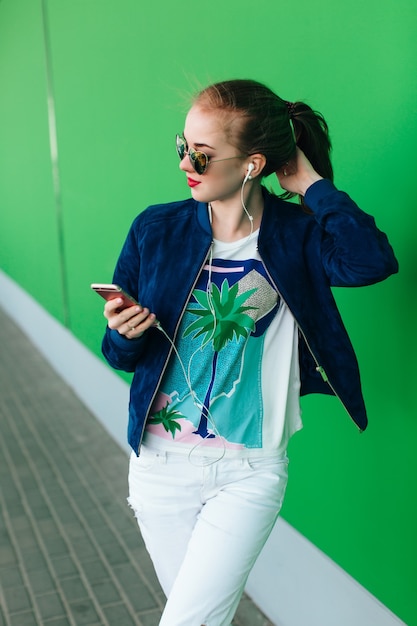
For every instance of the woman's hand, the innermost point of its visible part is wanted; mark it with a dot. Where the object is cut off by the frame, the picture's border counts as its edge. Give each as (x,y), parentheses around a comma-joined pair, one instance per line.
(131,322)
(298,175)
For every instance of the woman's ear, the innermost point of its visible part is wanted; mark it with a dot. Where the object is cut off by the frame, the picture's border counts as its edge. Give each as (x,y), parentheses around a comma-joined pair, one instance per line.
(256,165)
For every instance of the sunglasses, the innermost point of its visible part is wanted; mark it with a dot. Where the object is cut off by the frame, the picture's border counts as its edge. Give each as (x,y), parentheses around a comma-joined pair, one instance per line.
(199,160)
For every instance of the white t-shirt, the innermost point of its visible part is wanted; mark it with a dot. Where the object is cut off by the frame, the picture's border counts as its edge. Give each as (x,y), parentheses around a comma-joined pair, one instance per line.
(232,387)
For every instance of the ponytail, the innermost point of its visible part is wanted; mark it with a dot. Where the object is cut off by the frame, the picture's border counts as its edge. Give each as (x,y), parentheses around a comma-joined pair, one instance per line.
(311,135)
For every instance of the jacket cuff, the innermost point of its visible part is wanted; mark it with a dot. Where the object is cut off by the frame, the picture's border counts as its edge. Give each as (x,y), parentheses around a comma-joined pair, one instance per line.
(317,191)
(125,344)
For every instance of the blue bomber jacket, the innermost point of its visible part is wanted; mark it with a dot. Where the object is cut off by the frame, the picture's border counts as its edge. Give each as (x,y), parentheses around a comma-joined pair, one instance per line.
(304,254)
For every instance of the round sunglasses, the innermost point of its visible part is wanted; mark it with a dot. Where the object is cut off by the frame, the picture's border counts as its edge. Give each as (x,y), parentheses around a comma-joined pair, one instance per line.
(199,160)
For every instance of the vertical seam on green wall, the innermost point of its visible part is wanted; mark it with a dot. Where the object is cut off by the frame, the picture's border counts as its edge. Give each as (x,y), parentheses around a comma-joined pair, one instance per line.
(53,145)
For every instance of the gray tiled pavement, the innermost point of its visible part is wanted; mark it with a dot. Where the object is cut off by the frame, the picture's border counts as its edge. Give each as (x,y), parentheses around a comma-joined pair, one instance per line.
(70,550)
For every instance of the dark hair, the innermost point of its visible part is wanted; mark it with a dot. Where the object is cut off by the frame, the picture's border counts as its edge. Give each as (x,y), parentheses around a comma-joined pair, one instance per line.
(265,123)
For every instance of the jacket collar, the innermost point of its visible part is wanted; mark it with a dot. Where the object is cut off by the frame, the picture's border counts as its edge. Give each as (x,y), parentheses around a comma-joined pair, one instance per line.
(270,214)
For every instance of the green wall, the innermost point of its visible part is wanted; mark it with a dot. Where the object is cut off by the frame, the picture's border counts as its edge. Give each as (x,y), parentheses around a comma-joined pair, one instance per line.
(118,76)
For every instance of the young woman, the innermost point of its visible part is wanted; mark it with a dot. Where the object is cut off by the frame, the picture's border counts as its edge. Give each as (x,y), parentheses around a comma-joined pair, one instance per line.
(236,321)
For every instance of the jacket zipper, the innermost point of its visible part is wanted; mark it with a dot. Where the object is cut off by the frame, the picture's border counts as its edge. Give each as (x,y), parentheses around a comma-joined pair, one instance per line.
(171,348)
(319,368)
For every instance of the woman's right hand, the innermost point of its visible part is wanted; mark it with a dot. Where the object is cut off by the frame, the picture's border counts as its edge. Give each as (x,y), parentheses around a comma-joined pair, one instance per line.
(131,322)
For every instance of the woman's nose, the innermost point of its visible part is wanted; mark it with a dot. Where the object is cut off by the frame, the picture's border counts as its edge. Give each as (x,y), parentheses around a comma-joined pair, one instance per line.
(185,164)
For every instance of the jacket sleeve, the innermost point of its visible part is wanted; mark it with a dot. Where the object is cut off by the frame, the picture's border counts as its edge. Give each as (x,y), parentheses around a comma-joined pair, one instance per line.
(120,352)
(354,251)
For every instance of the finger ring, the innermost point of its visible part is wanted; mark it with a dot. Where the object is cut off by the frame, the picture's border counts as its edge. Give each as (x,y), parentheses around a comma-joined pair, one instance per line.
(131,327)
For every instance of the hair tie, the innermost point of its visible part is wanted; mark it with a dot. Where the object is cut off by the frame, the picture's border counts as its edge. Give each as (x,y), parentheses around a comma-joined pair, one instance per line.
(291,108)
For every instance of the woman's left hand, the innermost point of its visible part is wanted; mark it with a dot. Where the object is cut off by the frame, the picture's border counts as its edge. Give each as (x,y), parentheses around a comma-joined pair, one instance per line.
(297,175)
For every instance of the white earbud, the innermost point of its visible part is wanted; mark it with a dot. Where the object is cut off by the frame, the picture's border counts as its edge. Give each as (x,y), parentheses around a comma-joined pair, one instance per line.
(248,176)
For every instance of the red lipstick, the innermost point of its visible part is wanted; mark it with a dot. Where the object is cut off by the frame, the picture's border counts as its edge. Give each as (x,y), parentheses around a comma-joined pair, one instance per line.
(192,183)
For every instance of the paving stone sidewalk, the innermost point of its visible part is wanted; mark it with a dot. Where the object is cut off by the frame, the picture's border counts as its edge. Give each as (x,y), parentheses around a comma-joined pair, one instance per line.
(70,550)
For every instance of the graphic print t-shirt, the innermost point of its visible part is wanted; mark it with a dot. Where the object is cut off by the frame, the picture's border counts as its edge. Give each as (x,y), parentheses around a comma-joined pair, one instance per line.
(234,384)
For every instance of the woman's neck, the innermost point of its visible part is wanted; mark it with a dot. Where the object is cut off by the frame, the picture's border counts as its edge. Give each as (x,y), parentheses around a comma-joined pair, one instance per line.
(230,221)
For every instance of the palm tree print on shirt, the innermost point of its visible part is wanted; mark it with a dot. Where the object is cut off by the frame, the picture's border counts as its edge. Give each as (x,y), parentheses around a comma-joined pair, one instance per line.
(222,318)
(167,416)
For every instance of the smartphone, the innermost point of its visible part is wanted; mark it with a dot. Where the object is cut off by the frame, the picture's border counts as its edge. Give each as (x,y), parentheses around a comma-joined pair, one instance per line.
(109,292)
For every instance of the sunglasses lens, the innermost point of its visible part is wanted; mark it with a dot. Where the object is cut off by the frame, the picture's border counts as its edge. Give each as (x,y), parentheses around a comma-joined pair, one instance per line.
(181,147)
(199,161)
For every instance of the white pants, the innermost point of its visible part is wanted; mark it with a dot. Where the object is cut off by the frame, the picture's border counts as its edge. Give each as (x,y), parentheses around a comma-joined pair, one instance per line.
(204,526)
